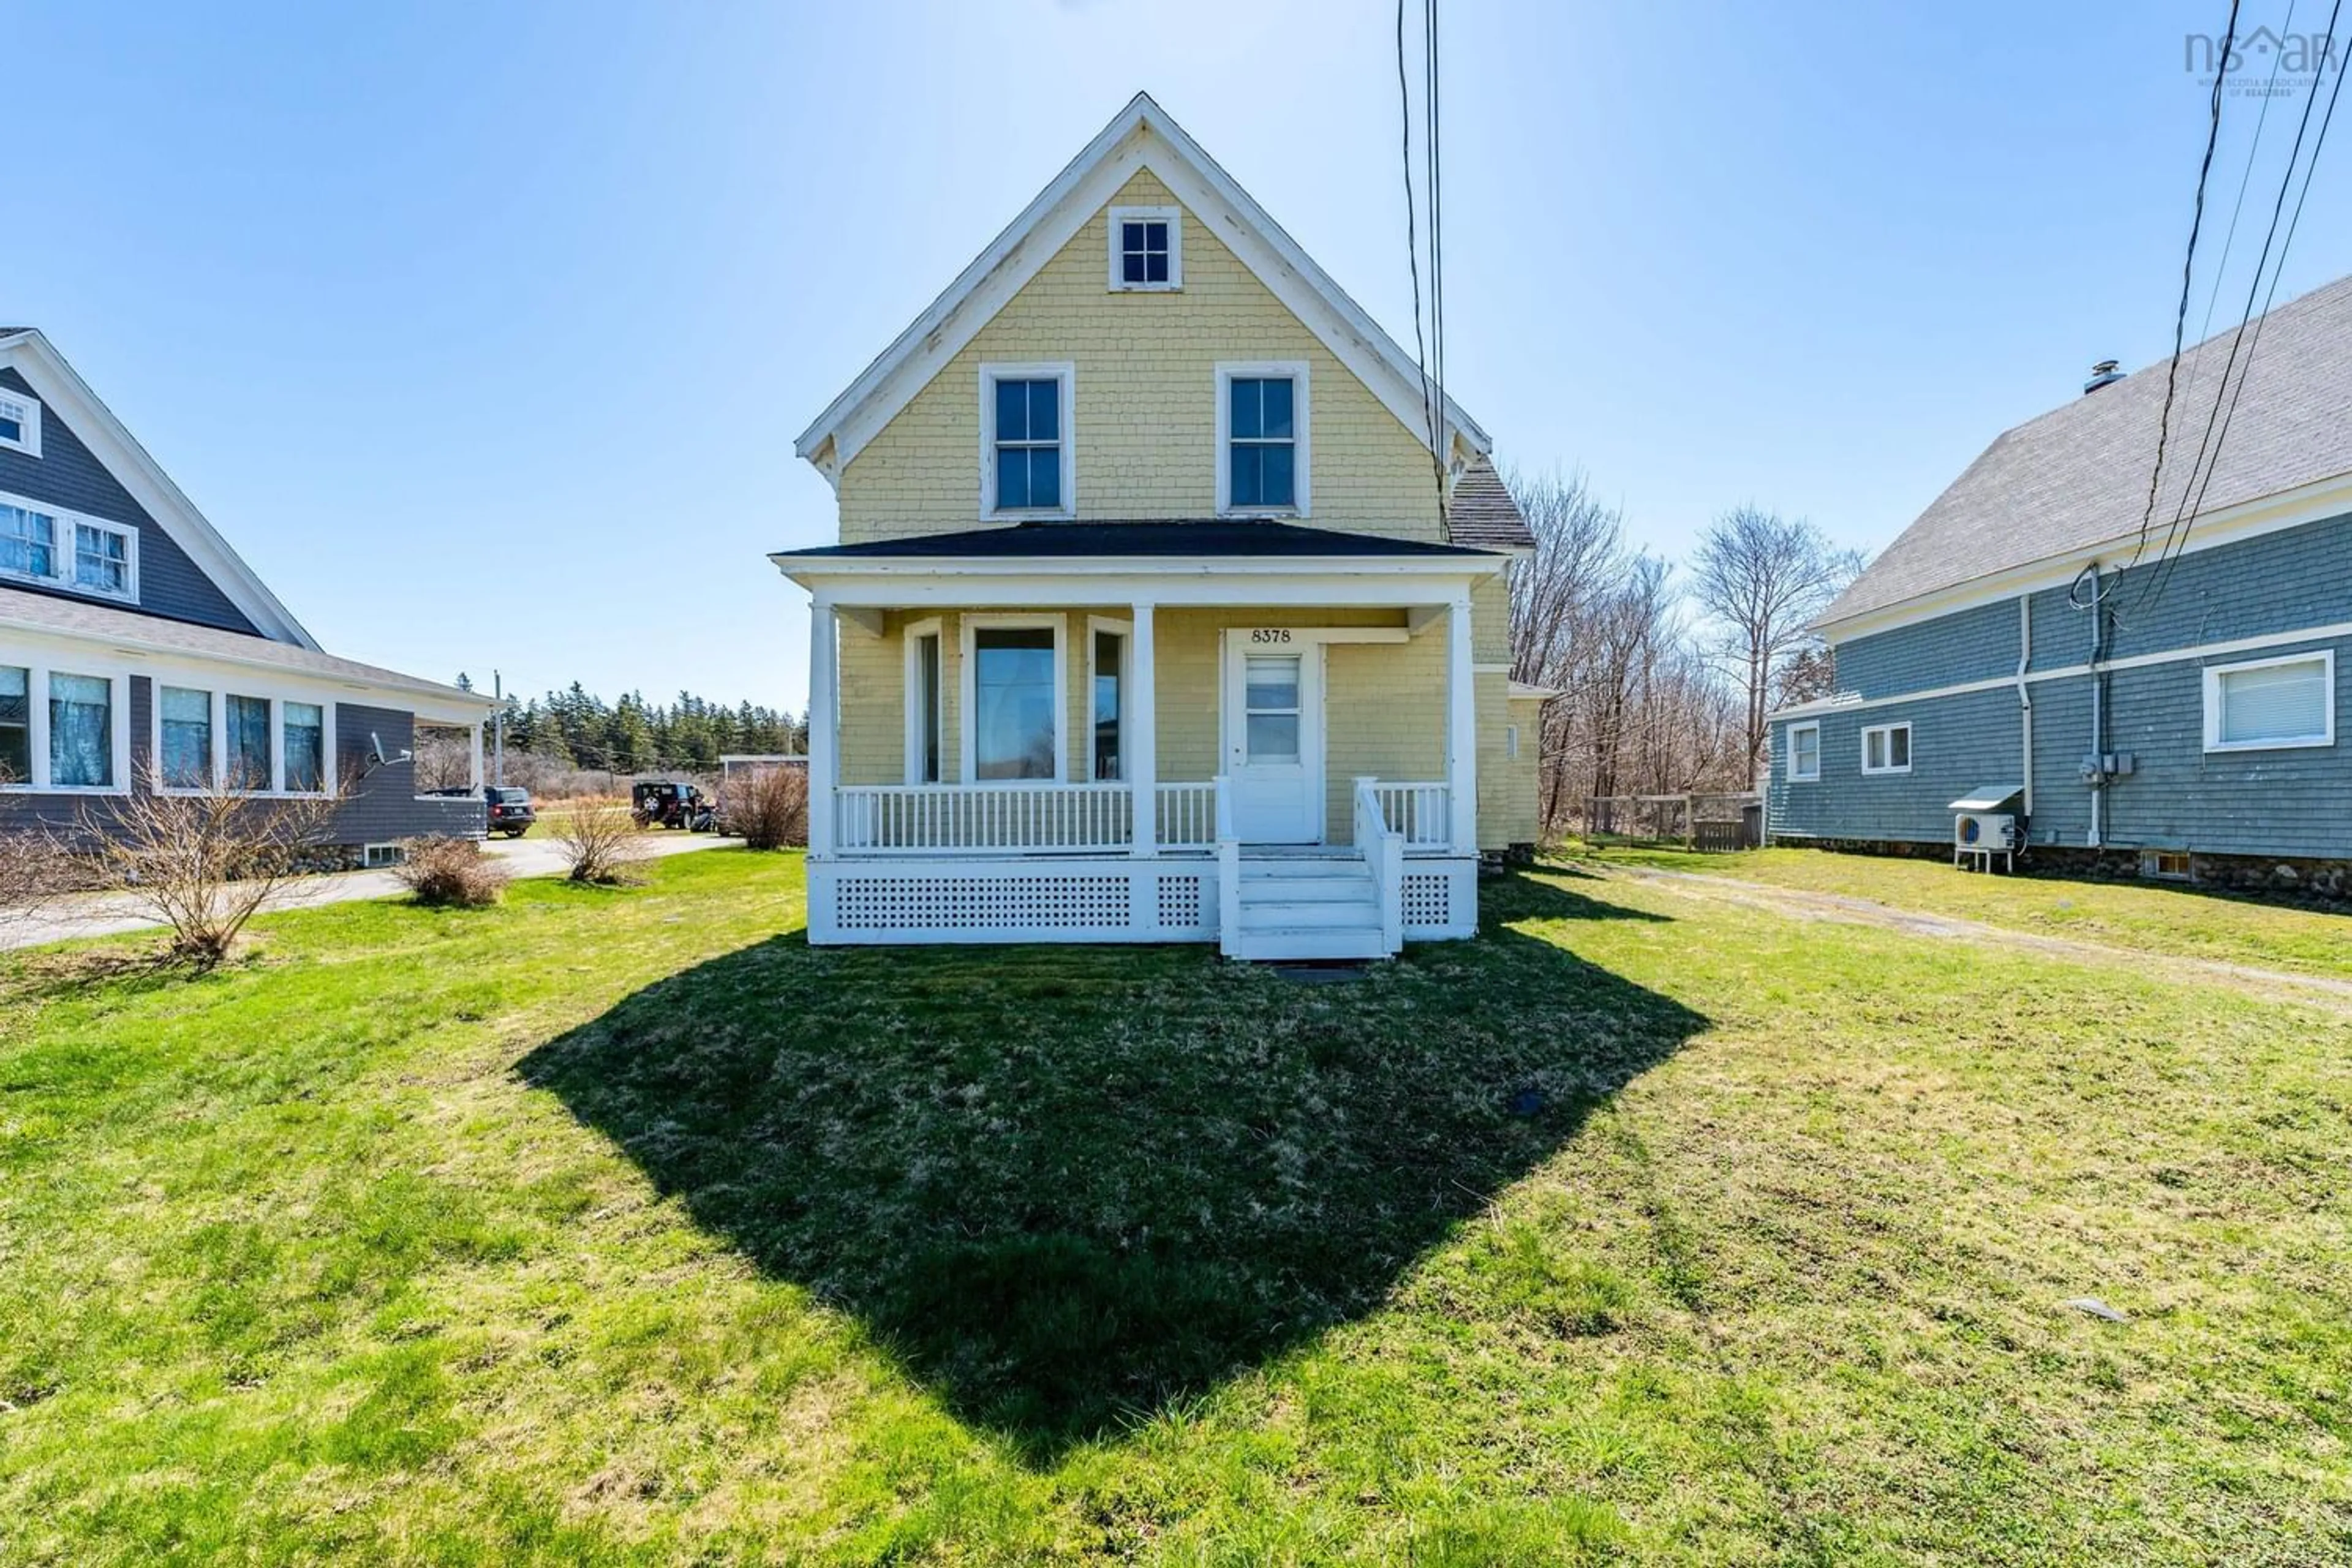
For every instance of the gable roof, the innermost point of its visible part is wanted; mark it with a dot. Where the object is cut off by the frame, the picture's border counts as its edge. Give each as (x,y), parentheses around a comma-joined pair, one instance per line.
(61,387)
(2075,479)
(1141,136)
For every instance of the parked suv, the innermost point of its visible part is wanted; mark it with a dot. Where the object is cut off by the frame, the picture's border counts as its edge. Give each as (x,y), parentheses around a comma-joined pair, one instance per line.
(510,809)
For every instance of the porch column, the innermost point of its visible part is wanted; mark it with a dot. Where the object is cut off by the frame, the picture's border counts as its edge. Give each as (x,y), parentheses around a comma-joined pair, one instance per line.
(476,776)
(1140,743)
(823,702)
(1461,729)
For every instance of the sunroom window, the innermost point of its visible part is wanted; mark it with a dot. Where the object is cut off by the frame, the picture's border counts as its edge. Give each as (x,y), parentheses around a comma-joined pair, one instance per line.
(187,723)
(306,747)
(81,732)
(249,744)
(15,725)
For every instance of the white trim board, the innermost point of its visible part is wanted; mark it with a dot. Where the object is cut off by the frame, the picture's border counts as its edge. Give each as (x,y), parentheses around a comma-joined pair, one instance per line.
(1141,136)
(2331,632)
(56,384)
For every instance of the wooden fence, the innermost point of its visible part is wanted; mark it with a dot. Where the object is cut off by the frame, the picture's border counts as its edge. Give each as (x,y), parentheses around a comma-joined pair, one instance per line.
(1712,823)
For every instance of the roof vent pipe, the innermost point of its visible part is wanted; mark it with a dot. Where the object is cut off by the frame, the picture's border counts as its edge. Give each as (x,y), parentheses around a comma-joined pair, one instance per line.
(2102,373)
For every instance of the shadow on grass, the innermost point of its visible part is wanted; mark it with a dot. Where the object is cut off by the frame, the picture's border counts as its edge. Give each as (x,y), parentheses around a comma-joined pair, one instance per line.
(1067,1184)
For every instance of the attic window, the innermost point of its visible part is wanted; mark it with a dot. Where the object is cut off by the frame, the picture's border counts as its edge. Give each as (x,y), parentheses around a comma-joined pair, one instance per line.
(20,423)
(1147,250)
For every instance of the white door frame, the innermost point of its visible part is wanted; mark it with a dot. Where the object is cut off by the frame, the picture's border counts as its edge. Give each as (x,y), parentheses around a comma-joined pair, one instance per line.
(1308,643)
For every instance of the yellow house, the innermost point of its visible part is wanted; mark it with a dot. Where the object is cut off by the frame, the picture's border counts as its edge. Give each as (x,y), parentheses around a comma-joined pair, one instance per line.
(1167,607)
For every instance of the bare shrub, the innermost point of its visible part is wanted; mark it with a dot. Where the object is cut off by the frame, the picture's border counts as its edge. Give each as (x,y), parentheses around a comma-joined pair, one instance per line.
(450,873)
(201,863)
(599,841)
(768,806)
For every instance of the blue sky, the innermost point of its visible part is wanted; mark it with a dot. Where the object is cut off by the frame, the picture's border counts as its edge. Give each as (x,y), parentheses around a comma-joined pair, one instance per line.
(484,331)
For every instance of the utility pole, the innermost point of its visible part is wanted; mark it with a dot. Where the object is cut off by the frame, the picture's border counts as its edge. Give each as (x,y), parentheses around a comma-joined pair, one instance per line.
(499,729)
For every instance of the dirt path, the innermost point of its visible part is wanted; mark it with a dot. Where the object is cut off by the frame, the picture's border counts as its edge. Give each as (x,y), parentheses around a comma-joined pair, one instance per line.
(1802,904)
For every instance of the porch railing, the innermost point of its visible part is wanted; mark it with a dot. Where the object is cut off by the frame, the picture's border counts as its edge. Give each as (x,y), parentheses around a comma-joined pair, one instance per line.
(959,819)
(1422,814)
(1188,816)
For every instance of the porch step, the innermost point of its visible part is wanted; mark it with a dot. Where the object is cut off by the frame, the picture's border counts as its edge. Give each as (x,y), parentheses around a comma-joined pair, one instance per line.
(1297,907)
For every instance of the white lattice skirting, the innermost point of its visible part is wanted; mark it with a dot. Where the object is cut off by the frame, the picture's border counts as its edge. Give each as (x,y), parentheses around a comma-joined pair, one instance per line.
(1107,900)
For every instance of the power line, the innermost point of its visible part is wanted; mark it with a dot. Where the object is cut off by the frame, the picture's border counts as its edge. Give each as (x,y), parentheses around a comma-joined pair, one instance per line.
(2188,269)
(1420,346)
(2185,518)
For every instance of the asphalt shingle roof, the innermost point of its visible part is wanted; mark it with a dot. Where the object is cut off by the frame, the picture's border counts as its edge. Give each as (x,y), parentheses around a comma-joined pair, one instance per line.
(1198,536)
(46,612)
(2077,476)
(1484,513)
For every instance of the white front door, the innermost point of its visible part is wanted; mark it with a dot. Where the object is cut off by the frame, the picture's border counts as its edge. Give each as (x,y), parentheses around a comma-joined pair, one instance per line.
(1273,735)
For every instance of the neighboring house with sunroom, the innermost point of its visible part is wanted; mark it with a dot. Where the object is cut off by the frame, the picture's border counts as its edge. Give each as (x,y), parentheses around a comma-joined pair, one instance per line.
(137,650)
(1165,608)
(2167,700)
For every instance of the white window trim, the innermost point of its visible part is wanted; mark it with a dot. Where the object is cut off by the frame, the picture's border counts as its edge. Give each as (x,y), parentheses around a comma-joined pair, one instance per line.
(1887,731)
(967,679)
(1174,219)
(1790,769)
(1065,372)
(912,634)
(30,444)
(1301,406)
(1125,631)
(61,550)
(220,688)
(38,668)
(2323,658)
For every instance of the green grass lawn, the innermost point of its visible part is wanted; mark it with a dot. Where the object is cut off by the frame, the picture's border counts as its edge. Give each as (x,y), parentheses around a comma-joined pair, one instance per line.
(2152,917)
(622,1226)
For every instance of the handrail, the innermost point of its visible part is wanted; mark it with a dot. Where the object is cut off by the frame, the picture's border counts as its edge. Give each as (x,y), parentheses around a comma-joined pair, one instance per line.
(1422,811)
(951,819)
(1382,848)
(1229,872)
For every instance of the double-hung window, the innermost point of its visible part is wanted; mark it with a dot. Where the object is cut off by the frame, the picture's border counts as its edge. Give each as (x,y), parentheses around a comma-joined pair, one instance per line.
(248,745)
(16,724)
(1014,686)
(20,423)
(1886,748)
(1025,440)
(1262,452)
(925,703)
(1108,687)
(1147,250)
(81,732)
(2270,704)
(186,722)
(1805,753)
(41,543)
(28,541)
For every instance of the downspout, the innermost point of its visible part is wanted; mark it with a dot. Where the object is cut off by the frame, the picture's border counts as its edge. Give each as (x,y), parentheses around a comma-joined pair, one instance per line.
(2098,704)
(2025,698)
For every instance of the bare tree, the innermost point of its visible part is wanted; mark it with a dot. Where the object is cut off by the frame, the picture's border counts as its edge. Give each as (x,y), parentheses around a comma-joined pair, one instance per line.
(450,873)
(33,871)
(599,839)
(201,862)
(1762,578)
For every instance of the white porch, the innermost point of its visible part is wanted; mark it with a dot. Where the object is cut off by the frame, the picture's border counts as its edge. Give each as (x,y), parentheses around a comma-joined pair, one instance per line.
(1284,850)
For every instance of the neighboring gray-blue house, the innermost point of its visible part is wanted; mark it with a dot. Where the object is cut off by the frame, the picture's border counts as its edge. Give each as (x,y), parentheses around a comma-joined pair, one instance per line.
(2175,705)
(136,647)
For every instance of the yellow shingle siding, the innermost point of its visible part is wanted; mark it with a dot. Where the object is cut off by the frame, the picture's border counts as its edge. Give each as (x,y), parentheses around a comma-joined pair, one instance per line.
(1145,423)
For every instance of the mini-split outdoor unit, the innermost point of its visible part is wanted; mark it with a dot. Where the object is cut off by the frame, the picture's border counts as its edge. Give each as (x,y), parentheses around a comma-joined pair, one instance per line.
(1981,830)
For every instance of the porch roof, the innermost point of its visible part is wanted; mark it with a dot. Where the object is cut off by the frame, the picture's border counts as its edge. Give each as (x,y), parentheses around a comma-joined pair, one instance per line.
(1160,539)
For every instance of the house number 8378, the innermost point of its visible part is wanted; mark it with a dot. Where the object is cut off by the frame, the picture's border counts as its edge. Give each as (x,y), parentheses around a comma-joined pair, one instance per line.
(1269,634)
